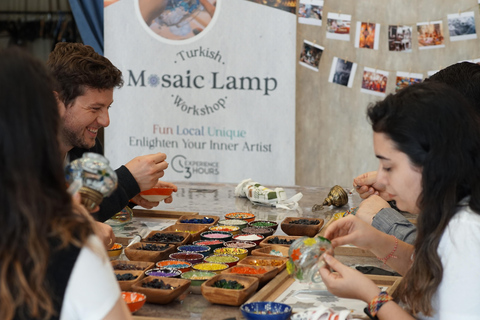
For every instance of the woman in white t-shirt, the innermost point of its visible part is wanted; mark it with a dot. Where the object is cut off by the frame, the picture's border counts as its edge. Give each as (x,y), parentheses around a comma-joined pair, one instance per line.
(52,266)
(427,140)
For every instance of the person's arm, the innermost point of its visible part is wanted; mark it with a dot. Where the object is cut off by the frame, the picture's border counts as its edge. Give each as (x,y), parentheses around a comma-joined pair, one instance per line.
(366,185)
(351,230)
(392,222)
(347,282)
(119,311)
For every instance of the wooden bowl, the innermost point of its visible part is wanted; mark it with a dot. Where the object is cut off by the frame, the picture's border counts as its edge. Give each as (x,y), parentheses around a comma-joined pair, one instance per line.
(238,252)
(232,229)
(249,237)
(278,240)
(162,296)
(246,216)
(271,251)
(186,237)
(197,278)
(229,296)
(264,224)
(122,265)
(308,230)
(263,278)
(193,229)
(125,285)
(216,235)
(135,254)
(228,259)
(210,267)
(190,219)
(267,261)
(183,266)
(265,232)
(134,300)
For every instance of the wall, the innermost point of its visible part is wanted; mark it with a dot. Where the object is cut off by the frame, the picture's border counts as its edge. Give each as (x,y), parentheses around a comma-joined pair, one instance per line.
(333,137)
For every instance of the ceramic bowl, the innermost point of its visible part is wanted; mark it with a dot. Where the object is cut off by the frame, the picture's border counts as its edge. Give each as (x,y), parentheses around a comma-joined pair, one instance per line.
(134,300)
(204,250)
(229,297)
(222,258)
(211,267)
(131,265)
(238,252)
(136,253)
(301,229)
(183,266)
(115,251)
(246,216)
(241,244)
(232,229)
(263,274)
(265,232)
(194,229)
(265,261)
(161,296)
(176,238)
(233,222)
(126,285)
(192,257)
(216,235)
(198,220)
(249,237)
(273,250)
(266,310)
(264,224)
(213,244)
(278,240)
(197,278)
(156,194)
(163,272)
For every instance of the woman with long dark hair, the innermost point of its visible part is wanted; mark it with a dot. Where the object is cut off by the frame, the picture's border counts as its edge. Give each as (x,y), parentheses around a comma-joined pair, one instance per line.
(52,266)
(427,140)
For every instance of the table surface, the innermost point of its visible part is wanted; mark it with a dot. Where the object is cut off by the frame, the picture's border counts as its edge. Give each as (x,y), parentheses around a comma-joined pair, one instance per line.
(219,199)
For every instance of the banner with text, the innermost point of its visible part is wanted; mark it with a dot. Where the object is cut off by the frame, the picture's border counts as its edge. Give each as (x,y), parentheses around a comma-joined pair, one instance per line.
(211,83)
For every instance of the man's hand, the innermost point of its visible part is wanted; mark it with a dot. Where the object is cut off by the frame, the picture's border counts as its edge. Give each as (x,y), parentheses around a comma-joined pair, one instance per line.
(148,169)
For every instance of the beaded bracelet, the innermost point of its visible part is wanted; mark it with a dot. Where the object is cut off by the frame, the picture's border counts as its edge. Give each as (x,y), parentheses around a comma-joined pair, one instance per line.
(378,302)
(390,255)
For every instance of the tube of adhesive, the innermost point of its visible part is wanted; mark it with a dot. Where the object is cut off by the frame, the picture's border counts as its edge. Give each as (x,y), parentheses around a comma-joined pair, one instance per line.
(259,194)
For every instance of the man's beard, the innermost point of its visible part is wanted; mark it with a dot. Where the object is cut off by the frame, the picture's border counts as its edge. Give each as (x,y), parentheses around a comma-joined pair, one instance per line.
(75,140)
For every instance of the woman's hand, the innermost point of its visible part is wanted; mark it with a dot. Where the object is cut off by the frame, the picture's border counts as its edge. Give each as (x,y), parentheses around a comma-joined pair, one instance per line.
(347,282)
(352,230)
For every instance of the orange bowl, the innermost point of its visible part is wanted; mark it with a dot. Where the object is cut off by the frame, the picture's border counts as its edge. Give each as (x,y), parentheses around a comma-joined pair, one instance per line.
(156,194)
(134,300)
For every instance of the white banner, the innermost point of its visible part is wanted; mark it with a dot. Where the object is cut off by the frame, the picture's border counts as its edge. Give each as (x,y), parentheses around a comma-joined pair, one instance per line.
(213,89)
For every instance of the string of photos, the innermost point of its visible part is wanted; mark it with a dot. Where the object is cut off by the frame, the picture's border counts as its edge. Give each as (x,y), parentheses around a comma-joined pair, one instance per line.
(430,35)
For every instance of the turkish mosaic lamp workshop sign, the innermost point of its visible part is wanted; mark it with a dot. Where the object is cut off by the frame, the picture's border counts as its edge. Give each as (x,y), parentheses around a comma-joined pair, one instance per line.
(211,83)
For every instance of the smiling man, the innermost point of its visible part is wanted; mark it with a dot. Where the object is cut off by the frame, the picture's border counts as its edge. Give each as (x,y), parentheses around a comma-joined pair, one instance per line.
(84,91)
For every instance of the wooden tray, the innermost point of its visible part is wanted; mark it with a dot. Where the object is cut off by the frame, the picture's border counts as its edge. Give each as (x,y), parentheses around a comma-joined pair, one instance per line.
(265,251)
(308,230)
(282,281)
(257,260)
(265,243)
(161,214)
(228,296)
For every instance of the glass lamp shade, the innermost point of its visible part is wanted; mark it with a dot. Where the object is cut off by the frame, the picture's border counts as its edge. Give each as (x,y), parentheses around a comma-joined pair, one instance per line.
(97,180)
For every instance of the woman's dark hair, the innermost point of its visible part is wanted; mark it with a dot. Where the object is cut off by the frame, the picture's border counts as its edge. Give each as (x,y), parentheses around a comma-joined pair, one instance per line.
(437,128)
(76,67)
(36,207)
